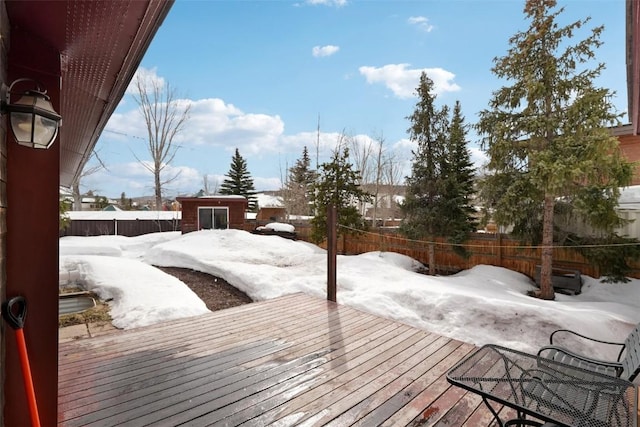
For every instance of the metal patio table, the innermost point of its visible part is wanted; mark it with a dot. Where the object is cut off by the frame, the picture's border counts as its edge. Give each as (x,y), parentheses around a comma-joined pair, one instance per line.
(546,390)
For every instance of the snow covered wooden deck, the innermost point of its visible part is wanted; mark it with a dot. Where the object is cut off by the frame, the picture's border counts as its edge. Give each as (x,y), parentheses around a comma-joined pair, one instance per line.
(295,360)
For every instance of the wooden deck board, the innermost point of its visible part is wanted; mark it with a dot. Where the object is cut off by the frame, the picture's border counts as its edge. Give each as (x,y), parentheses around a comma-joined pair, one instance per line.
(349,379)
(295,360)
(104,378)
(352,352)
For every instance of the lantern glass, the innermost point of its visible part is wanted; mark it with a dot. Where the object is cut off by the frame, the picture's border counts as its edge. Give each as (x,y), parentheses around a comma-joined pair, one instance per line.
(32,130)
(33,120)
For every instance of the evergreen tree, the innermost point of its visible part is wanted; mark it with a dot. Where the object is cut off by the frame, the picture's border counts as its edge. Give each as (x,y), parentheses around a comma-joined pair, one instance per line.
(125,203)
(338,185)
(238,181)
(299,186)
(425,207)
(101,202)
(64,206)
(546,134)
(459,184)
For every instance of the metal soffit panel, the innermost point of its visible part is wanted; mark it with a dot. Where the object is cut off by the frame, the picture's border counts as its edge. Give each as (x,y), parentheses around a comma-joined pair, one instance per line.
(94,36)
(101,43)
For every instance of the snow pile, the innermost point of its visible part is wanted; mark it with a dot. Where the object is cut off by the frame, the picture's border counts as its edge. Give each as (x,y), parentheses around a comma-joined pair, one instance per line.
(482,305)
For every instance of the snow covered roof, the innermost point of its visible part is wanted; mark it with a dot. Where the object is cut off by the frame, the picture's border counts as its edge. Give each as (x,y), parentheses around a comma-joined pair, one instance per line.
(629,196)
(269,201)
(124,215)
(216,196)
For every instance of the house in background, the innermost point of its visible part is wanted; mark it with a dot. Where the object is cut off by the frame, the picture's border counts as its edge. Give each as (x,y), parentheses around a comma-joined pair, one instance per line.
(272,214)
(212,212)
(629,135)
(629,145)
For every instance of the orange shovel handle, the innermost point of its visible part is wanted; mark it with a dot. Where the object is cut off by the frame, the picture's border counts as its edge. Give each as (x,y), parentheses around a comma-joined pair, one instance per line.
(14,312)
(28,380)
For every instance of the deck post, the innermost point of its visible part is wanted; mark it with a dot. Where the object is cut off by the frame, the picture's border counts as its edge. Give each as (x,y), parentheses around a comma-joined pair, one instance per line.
(332,249)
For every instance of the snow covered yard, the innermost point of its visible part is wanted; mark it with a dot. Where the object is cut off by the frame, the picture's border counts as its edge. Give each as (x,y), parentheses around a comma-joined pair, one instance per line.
(482,305)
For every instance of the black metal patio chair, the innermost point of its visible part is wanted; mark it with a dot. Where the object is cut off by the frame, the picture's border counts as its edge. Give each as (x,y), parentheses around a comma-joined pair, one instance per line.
(626,366)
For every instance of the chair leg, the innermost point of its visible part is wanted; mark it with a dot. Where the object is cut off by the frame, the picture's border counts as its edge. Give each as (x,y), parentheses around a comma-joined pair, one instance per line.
(521,422)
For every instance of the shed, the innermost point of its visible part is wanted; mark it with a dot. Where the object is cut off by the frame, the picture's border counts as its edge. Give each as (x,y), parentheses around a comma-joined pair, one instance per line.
(212,212)
(272,214)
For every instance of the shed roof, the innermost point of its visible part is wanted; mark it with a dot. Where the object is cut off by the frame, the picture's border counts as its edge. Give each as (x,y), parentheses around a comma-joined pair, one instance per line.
(218,197)
(124,215)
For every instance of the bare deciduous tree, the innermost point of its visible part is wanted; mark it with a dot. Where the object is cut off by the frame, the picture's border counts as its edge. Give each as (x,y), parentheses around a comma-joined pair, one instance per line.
(210,188)
(164,116)
(298,186)
(361,154)
(381,178)
(86,171)
(392,178)
(378,179)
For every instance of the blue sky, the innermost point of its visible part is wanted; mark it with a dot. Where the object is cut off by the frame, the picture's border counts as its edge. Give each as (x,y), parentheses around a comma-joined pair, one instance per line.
(259,74)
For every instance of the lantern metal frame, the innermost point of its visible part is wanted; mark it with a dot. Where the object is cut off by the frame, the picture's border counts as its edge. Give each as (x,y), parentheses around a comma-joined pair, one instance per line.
(33,121)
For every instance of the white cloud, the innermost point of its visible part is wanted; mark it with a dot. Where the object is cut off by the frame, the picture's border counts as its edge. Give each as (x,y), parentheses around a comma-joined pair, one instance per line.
(213,123)
(123,126)
(134,179)
(320,146)
(404,149)
(130,178)
(328,50)
(403,81)
(266,184)
(186,180)
(404,145)
(148,76)
(421,22)
(337,3)
(478,158)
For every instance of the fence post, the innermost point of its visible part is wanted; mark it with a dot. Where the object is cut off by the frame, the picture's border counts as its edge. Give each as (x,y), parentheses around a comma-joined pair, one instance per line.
(332,249)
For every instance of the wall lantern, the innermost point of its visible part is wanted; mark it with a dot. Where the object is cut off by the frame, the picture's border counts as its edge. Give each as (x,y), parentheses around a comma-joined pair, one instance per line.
(33,120)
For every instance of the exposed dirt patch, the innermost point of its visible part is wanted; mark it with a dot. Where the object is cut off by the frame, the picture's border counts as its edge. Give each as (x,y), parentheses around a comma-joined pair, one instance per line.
(216,293)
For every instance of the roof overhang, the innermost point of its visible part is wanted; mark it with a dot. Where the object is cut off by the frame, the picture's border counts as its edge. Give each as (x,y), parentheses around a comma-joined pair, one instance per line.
(100,44)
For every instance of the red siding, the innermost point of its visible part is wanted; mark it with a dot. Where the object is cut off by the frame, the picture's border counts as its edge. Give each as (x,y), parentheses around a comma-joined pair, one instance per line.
(271,214)
(190,205)
(32,242)
(630,146)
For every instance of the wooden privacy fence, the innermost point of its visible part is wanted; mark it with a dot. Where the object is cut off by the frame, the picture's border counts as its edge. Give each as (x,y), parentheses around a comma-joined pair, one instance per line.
(483,248)
(120,227)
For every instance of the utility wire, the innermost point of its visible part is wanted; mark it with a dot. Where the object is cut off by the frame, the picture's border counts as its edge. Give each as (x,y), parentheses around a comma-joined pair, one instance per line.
(124,134)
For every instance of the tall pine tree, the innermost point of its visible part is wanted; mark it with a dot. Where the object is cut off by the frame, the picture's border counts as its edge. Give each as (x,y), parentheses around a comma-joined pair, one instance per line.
(460,177)
(546,133)
(338,185)
(238,181)
(425,207)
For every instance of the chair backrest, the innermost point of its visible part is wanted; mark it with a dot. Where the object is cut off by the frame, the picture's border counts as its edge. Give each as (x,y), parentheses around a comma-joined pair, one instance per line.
(631,360)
